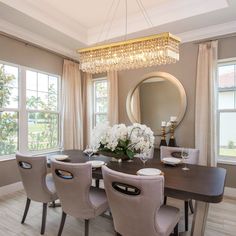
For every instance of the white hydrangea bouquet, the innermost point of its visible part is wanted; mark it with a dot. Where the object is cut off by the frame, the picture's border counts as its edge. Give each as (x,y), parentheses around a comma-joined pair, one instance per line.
(121,141)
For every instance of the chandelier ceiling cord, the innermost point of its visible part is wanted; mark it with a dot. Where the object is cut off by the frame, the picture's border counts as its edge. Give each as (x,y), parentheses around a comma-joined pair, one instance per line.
(129,54)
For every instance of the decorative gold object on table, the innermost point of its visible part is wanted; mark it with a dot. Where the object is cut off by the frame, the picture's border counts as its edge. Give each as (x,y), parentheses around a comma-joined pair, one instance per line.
(163,134)
(172,142)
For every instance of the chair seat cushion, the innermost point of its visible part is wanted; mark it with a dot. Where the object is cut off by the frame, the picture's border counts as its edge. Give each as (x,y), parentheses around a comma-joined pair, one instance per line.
(99,200)
(51,186)
(166,219)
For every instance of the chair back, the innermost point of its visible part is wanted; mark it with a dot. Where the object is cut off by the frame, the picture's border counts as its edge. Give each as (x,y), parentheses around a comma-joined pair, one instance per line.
(193,157)
(33,172)
(73,182)
(134,201)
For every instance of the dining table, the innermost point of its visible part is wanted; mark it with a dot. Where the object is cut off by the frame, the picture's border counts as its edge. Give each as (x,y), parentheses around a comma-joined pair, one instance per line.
(203,184)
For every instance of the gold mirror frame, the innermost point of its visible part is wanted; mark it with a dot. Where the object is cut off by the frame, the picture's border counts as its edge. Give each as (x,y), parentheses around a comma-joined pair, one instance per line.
(171,79)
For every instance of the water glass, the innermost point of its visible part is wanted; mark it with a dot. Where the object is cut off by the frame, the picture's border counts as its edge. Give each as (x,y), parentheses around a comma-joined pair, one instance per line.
(185,156)
(90,150)
(144,157)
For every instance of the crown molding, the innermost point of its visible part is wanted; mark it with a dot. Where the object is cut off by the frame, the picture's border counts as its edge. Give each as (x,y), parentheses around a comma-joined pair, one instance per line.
(36,39)
(162,14)
(208,32)
(54,19)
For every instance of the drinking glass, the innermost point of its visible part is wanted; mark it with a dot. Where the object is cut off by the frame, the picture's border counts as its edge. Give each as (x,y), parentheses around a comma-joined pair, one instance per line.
(185,156)
(90,150)
(144,157)
(61,148)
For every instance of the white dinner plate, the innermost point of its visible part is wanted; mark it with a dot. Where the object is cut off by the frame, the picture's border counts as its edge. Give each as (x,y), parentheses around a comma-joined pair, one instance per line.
(96,164)
(60,157)
(171,160)
(149,171)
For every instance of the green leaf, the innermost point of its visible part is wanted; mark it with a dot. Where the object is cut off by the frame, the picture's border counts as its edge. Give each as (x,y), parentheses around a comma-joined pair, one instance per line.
(130,153)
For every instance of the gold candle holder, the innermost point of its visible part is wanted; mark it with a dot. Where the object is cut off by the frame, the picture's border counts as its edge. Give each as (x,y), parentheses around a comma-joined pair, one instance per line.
(172,142)
(163,136)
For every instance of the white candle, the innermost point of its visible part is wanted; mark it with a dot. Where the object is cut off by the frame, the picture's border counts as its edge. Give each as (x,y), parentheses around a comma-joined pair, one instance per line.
(163,123)
(173,118)
(168,124)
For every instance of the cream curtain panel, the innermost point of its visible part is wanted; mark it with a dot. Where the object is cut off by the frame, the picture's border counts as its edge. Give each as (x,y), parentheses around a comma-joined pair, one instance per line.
(72,111)
(205,112)
(112,78)
(87,106)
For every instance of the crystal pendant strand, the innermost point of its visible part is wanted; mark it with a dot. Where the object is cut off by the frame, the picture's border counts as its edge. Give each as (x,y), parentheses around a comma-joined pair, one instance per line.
(154,50)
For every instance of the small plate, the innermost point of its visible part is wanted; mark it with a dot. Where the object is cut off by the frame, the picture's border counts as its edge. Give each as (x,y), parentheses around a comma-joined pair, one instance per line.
(149,171)
(171,160)
(60,157)
(96,164)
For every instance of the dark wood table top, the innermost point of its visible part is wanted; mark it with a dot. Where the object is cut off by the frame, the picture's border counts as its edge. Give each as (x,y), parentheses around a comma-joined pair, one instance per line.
(199,183)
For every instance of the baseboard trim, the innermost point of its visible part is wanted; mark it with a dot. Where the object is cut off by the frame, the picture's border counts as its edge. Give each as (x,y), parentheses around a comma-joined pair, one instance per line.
(11,188)
(230,192)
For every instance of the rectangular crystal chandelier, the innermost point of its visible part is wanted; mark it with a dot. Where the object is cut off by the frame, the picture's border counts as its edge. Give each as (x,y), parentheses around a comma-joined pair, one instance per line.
(152,50)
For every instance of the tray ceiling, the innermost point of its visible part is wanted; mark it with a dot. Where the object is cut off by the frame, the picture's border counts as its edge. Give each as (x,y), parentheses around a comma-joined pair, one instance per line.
(64,26)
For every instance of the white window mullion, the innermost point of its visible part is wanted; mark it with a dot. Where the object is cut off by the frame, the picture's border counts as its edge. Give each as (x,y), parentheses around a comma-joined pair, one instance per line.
(23,116)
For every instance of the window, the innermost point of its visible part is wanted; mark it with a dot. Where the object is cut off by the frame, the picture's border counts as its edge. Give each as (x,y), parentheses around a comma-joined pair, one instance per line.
(8,109)
(100,101)
(226,110)
(29,110)
(42,109)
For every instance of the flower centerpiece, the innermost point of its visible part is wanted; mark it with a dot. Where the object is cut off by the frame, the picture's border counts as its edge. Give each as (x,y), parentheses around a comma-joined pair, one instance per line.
(121,141)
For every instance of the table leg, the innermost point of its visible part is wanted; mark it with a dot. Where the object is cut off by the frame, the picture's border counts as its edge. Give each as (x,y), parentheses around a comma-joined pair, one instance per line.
(199,218)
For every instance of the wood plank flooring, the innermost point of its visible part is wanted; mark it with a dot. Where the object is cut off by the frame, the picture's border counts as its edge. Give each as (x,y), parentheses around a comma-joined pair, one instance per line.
(221,219)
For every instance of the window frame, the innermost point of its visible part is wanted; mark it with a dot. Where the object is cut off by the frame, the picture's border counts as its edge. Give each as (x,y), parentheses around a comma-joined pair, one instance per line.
(222,158)
(94,113)
(23,112)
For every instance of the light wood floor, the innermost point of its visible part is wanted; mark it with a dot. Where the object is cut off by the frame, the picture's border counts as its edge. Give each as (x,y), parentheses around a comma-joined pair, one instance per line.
(221,219)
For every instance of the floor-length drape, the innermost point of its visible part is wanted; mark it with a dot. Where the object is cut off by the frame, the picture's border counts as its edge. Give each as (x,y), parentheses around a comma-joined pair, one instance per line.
(112,78)
(72,112)
(87,106)
(205,112)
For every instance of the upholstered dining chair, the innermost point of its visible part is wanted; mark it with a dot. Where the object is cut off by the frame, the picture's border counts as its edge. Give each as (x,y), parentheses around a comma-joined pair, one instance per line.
(37,183)
(193,158)
(78,198)
(136,204)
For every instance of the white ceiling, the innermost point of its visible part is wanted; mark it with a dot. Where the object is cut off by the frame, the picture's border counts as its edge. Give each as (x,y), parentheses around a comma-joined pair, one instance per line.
(63,26)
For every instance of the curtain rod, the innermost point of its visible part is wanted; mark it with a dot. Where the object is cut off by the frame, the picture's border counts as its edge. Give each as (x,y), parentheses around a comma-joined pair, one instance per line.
(27,43)
(215,38)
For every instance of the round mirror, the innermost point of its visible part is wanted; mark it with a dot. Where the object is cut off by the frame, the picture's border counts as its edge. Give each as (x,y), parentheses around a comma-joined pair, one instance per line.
(156,98)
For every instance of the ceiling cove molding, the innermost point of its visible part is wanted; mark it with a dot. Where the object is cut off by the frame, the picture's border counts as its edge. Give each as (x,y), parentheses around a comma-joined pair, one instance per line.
(208,32)
(56,20)
(36,39)
(159,15)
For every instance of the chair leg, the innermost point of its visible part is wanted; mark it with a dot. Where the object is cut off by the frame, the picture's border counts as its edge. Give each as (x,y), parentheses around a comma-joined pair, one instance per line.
(176,230)
(186,214)
(86,231)
(53,204)
(97,183)
(165,200)
(44,216)
(27,205)
(191,206)
(63,219)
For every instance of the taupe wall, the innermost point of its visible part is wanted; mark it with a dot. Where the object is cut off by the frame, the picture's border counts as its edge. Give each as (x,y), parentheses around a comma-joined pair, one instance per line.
(185,71)
(22,54)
